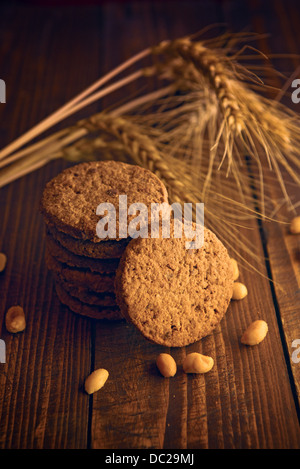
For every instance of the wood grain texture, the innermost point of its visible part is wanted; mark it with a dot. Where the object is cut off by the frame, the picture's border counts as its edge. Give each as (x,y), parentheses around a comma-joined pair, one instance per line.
(281,247)
(250,399)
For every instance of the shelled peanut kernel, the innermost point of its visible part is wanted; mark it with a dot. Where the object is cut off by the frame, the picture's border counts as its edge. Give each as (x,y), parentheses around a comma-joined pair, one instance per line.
(15,319)
(96,380)
(239,291)
(166,365)
(255,333)
(235,269)
(3,260)
(197,363)
(295,225)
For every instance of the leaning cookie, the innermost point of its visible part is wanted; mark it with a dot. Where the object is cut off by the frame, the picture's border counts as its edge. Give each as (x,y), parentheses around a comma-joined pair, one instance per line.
(173,295)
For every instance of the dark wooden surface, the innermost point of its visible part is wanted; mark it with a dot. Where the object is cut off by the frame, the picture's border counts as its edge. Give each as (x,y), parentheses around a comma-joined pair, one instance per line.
(250,399)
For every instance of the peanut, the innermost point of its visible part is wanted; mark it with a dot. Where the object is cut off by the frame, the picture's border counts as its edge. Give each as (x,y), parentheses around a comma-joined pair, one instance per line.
(255,333)
(239,291)
(15,319)
(3,260)
(235,269)
(96,380)
(295,225)
(196,363)
(166,365)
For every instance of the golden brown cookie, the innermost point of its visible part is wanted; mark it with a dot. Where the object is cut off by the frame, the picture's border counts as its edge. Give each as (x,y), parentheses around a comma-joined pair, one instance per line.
(82,262)
(81,277)
(70,200)
(91,311)
(104,250)
(174,295)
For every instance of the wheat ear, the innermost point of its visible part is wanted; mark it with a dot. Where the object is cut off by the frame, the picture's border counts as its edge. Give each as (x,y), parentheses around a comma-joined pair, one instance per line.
(244,122)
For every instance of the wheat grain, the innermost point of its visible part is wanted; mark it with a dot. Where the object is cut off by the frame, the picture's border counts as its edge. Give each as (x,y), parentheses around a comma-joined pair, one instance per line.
(193,132)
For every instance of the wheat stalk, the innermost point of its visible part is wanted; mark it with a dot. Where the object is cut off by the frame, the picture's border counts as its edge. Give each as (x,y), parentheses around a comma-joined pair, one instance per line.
(223,113)
(190,63)
(224,213)
(194,130)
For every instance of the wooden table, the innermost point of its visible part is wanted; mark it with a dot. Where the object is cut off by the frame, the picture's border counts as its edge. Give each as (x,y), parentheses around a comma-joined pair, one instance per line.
(250,399)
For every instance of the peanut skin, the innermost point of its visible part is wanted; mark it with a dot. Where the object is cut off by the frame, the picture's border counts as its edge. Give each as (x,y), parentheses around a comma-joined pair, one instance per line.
(15,319)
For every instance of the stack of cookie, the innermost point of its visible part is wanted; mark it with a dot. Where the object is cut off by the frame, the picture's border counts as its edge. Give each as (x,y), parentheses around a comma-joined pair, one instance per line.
(84,264)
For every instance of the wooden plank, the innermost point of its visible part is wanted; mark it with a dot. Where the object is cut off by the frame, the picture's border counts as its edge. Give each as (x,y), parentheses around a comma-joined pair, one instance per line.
(281,246)
(244,402)
(41,400)
(44,365)
(129,411)
(281,261)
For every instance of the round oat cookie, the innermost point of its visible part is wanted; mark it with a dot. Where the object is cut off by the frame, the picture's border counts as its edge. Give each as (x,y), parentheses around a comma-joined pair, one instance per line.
(70,200)
(91,311)
(82,262)
(173,295)
(81,277)
(105,250)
